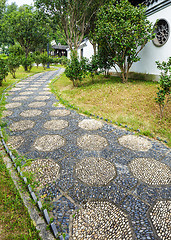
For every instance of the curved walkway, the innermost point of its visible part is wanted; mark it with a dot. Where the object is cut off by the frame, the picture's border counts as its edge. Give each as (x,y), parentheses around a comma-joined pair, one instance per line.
(102,182)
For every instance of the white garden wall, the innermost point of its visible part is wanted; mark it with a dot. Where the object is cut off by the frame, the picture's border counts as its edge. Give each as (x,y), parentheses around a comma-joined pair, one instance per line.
(152,53)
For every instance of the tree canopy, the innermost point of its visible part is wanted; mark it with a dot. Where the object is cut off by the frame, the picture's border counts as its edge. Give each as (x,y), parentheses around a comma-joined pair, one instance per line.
(123,30)
(72,17)
(27,27)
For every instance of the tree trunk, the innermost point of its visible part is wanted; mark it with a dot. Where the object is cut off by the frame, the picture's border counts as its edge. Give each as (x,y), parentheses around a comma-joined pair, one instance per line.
(94,48)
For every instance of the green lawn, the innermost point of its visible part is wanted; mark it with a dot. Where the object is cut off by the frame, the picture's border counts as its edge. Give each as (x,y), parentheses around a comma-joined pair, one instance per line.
(132,104)
(15,222)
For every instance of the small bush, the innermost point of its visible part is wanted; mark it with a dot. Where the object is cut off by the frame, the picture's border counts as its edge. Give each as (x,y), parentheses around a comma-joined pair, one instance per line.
(13,64)
(76,70)
(3,67)
(64,61)
(36,57)
(164,93)
(56,60)
(45,59)
(27,63)
(92,66)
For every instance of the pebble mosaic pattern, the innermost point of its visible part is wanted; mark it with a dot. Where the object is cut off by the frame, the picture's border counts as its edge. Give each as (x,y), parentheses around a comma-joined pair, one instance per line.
(19,98)
(31,113)
(44,93)
(135,143)
(150,171)
(7,113)
(59,113)
(13,105)
(37,104)
(49,142)
(101,181)
(22,125)
(92,142)
(95,171)
(16,89)
(56,124)
(90,124)
(26,93)
(15,141)
(101,220)
(42,98)
(161,219)
(46,171)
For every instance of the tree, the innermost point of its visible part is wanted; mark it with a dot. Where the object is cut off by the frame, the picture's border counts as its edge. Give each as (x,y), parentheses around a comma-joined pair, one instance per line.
(5,39)
(125,30)
(28,28)
(14,59)
(72,17)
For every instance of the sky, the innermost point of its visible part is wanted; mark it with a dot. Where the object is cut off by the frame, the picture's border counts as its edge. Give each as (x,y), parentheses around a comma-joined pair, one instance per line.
(21,2)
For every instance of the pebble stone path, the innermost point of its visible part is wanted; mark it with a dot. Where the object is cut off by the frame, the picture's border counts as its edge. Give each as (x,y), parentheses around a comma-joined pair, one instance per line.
(102,182)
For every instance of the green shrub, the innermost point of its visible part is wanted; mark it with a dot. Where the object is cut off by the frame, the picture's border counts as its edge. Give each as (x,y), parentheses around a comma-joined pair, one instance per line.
(76,70)
(164,93)
(3,67)
(92,66)
(13,64)
(27,63)
(64,60)
(45,59)
(36,57)
(55,60)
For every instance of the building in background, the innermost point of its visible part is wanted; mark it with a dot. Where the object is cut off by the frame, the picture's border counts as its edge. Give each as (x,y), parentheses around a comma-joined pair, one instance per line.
(159,13)
(59,50)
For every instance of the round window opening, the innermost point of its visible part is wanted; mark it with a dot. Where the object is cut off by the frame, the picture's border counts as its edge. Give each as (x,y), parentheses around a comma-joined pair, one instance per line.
(161,29)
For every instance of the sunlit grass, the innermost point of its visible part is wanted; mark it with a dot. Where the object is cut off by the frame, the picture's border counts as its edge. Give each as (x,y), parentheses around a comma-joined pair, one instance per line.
(15,222)
(132,104)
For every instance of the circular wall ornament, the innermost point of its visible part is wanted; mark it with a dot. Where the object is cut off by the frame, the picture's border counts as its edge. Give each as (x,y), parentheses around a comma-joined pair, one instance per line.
(161,29)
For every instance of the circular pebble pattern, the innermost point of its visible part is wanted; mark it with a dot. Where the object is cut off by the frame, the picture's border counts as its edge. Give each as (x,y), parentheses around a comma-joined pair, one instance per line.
(46,171)
(15,141)
(101,221)
(30,113)
(37,104)
(13,105)
(150,171)
(90,124)
(135,143)
(59,113)
(39,98)
(26,93)
(44,93)
(95,171)
(16,89)
(19,98)
(56,124)
(161,219)
(92,142)
(49,142)
(22,125)
(7,113)
(31,89)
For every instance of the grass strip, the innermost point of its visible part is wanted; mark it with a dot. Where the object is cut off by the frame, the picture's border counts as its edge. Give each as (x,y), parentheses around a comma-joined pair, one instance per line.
(15,222)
